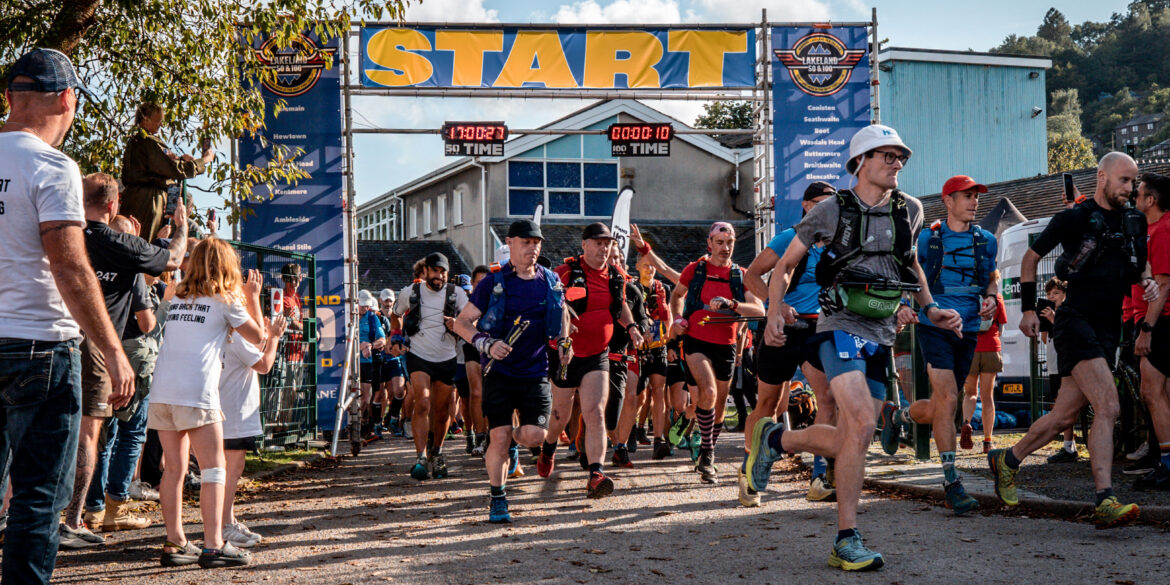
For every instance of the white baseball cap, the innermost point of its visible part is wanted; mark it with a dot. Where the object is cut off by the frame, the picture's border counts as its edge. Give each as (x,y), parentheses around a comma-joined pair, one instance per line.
(386,295)
(869,138)
(366,299)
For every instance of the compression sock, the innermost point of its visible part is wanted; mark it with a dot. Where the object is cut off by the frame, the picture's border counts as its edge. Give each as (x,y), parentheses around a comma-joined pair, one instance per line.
(847,533)
(1165,449)
(775,438)
(498,491)
(1102,494)
(548,449)
(948,465)
(706,420)
(1070,446)
(819,466)
(715,434)
(1010,458)
(395,409)
(377,414)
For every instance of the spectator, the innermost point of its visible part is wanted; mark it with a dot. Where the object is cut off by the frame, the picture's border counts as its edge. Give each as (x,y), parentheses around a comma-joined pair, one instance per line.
(117,259)
(988,363)
(150,169)
(48,297)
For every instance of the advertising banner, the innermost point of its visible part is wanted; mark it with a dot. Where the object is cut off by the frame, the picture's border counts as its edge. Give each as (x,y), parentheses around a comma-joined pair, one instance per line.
(555,57)
(820,98)
(306,217)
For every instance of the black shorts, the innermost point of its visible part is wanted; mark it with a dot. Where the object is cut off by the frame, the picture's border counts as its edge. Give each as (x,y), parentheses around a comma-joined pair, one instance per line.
(442,372)
(470,354)
(1078,338)
(653,362)
(504,394)
(578,367)
(1159,355)
(244,444)
(463,387)
(392,368)
(369,373)
(777,365)
(722,357)
(618,373)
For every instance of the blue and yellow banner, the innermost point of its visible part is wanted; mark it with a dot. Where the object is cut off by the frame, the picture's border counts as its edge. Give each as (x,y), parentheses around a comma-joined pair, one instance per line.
(556,57)
(820,99)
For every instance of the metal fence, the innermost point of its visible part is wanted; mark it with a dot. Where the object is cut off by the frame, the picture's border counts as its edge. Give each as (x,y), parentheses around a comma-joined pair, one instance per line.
(288,393)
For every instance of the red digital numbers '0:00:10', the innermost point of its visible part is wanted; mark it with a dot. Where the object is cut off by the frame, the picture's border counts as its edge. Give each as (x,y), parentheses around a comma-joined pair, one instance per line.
(457,132)
(641,132)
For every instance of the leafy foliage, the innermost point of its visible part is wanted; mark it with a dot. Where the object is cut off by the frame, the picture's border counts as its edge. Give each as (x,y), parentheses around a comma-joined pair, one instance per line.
(725,116)
(185,55)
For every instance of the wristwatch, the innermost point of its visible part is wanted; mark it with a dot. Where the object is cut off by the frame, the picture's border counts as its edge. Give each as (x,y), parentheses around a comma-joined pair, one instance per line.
(1144,326)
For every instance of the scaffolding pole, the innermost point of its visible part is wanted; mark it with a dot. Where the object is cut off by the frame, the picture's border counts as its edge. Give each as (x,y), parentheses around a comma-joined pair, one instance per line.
(552,131)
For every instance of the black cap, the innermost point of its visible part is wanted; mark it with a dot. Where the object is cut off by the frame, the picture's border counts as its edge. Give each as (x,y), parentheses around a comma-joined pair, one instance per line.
(436,260)
(817,189)
(524,228)
(597,231)
(49,69)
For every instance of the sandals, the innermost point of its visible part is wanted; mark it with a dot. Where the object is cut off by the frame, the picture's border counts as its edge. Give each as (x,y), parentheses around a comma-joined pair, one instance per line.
(187,554)
(228,556)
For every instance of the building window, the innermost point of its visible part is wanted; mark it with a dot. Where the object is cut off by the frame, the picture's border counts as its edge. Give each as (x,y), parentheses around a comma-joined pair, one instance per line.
(441,210)
(412,223)
(1123,131)
(426,219)
(457,207)
(567,189)
(1150,126)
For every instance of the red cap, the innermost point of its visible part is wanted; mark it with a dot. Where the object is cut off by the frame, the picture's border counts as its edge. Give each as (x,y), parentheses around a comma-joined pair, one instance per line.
(962,183)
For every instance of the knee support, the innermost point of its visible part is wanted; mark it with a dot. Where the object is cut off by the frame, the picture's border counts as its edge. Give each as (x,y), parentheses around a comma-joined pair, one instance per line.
(213,475)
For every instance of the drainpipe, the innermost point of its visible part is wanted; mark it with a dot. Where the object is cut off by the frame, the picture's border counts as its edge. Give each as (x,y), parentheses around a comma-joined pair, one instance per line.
(483,251)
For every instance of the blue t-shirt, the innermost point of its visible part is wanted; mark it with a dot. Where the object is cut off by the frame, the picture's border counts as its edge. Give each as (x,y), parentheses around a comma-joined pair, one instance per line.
(370,331)
(802,296)
(526,299)
(958,272)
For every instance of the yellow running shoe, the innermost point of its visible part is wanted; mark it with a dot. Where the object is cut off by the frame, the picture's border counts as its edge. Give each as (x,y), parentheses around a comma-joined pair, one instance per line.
(748,497)
(1110,513)
(1005,477)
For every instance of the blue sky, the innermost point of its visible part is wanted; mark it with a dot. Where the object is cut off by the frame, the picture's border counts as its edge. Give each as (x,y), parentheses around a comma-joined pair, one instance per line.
(384,162)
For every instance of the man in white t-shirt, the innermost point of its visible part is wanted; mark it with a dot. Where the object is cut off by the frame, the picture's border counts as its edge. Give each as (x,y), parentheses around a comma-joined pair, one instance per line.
(424,314)
(49,294)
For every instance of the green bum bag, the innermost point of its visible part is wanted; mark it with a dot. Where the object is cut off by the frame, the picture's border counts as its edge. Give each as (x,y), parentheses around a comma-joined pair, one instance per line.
(869,302)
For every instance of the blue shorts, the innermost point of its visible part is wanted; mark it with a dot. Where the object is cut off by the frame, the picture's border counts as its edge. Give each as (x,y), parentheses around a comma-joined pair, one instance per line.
(392,367)
(826,359)
(943,350)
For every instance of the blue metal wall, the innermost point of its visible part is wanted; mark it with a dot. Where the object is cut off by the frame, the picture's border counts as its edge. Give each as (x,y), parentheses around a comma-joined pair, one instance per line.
(964,119)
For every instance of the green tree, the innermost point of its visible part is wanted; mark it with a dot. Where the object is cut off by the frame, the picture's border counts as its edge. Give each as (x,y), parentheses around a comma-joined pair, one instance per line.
(1055,29)
(185,55)
(1068,152)
(725,116)
(1064,113)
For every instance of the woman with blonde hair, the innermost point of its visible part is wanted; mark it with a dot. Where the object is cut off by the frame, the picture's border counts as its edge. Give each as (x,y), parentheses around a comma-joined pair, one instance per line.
(185,403)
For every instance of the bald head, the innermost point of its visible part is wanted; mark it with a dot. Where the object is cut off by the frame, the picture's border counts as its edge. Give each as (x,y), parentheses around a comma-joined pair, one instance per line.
(1114,158)
(1116,173)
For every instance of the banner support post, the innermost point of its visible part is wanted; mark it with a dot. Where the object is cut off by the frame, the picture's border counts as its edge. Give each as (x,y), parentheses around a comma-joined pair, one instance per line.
(874,82)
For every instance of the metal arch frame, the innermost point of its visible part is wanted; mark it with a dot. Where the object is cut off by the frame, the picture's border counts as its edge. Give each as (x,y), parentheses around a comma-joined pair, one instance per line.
(759,95)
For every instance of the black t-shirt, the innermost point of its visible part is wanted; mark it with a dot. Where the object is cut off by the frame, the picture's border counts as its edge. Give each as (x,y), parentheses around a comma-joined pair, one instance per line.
(621,337)
(1102,285)
(118,258)
(140,299)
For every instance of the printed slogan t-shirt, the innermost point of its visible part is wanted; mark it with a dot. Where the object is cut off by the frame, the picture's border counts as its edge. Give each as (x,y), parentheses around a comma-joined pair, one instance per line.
(189,359)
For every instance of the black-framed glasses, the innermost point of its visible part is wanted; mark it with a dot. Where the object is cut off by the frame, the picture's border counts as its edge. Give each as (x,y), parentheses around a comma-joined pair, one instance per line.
(890,157)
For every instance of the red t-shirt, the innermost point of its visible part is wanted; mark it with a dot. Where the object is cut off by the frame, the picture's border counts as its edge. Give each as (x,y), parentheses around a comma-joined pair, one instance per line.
(989,340)
(1158,251)
(595,325)
(294,347)
(717,285)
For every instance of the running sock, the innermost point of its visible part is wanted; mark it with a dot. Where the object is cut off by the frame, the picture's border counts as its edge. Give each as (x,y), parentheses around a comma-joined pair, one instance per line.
(594,468)
(497,492)
(1010,458)
(948,465)
(847,533)
(718,430)
(1070,446)
(902,416)
(547,449)
(819,466)
(377,407)
(1165,449)
(620,446)
(706,418)
(395,408)
(1102,494)
(775,438)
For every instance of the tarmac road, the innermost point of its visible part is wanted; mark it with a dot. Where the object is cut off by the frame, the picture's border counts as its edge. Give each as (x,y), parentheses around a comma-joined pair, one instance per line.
(366,521)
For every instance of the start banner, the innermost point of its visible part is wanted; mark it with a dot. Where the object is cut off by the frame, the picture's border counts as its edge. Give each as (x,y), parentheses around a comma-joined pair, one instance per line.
(820,98)
(555,57)
(306,217)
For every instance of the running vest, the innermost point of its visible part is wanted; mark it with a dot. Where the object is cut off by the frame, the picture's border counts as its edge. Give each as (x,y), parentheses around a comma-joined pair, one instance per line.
(493,322)
(654,297)
(1078,264)
(694,300)
(848,243)
(617,286)
(933,263)
(410,321)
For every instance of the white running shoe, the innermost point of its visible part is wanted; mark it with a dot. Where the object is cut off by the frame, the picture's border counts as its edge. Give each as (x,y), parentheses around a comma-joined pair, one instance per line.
(141,491)
(232,534)
(1141,451)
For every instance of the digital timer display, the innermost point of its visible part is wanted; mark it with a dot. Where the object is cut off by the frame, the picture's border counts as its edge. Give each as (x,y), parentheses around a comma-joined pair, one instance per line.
(640,139)
(474,138)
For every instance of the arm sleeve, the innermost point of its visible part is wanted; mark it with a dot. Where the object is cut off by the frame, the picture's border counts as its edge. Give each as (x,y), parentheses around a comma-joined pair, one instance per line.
(140,296)
(460,300)
(379,333)
(144,256)
(57,194)
(402,303)
(688,274)
(481,294)
(1056,228)
(245,352)
(820,224)
(1158,251)
(1001,310)
(235,313)
(158,163)
(779,243)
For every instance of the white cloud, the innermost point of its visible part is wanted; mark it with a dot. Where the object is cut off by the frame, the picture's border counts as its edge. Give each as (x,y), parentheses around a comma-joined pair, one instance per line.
(749,11)
(450,11)
(619,11)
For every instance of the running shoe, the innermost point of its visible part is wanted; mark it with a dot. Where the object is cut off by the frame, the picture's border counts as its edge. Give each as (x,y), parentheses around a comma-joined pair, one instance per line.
(80,537)
(228,556)
(706,466)
(498,512)
(565,438)
(141,491)
(661,450)
(478,450)
(420,471)
(632,444)
(407,429)
(1139,453)
(850,554)
(439,466)
(378,429)
(1005,477)
(518,472)
(545,465)
(820,490)
(248,531)
(1141,467)
(621,457)
(643,438)
(599,485)
(958,499)
(1110,513)
(188,554)
(683,443)
(572,452)
(1063,455)
(675,433)
(514,469)
(890,429)
(748,497)
(470,443)
(965,441)
(1156,480)
(396,428)
(237,537)
(696,445)
(761,456)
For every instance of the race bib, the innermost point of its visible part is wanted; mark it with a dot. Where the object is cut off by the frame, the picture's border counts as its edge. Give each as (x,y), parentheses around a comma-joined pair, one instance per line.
(853,347)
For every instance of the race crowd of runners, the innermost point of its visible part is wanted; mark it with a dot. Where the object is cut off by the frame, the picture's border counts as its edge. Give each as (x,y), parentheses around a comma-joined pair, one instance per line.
(529,356)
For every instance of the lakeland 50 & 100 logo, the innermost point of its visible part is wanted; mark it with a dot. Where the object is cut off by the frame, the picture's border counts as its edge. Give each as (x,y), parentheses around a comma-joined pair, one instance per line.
(819,63)
(298,67)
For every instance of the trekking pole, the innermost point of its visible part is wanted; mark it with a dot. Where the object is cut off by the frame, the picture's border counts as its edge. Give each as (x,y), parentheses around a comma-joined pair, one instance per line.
(518,328)
(725,319)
